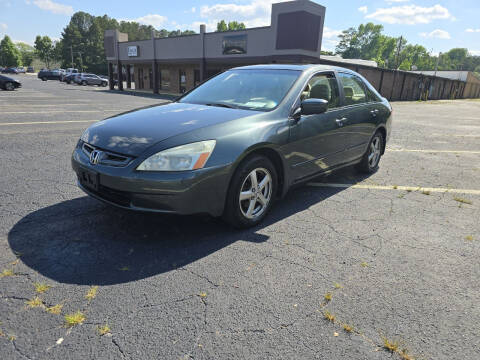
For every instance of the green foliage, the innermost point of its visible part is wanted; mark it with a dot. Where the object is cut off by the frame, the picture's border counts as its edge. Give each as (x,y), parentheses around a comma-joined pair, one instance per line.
(27,53)
(9,54)
(222,26)
(368,42)
(44,49)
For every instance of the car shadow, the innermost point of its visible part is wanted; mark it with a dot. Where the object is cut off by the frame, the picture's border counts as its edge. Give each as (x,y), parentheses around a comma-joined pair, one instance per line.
(85,242)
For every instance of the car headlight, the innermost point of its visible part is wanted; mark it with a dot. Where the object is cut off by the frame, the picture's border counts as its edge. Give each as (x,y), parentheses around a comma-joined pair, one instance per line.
(181,158)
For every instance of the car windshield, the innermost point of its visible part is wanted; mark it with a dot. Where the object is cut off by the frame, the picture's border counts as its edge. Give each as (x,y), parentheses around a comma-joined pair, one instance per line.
(260,90)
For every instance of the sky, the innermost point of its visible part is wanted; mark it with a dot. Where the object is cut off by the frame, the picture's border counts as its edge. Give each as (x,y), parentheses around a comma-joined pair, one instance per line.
(439,25)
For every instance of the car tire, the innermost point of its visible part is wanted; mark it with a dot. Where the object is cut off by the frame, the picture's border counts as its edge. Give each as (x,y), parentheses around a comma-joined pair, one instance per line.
(104,84)
(257,201)
(44,79)
(9,86)
(372,156)
(84,83)
(68,82)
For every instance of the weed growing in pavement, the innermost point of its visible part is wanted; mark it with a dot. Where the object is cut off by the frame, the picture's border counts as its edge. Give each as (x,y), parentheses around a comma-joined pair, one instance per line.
(329,316)
(92,292)
(328,297)
(6,273)
(74,319)
(469,238)
(426,192)
(35,302)
(364,264)
(56,309)
(348,328)
(103,330)
(41,287)
(391,346)
(337,286)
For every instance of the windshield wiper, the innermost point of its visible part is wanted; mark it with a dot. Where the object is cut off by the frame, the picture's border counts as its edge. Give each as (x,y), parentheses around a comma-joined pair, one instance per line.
(222,105)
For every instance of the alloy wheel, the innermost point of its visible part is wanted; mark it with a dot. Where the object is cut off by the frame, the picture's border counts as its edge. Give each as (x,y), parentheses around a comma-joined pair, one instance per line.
(9,86)
(374,152)
(255,193)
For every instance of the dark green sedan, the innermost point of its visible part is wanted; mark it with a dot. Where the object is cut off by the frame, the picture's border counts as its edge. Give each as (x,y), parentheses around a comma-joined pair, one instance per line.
(236,143)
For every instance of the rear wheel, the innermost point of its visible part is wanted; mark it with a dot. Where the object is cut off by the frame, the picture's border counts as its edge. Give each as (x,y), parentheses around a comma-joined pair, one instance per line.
(84,83)
(9,86)
(44,78)
(372,156)
(251,193)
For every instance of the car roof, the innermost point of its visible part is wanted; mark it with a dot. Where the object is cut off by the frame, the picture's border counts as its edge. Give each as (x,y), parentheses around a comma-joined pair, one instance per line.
(297,67)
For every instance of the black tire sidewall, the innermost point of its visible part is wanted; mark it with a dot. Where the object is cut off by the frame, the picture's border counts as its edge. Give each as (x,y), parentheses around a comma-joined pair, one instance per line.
(232,213)
(7,86)
(364,165)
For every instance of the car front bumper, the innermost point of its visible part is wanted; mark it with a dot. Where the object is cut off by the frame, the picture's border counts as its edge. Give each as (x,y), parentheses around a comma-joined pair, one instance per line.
(187,192)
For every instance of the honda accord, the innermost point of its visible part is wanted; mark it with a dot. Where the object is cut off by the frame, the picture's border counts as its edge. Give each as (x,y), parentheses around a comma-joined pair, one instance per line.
(236,143)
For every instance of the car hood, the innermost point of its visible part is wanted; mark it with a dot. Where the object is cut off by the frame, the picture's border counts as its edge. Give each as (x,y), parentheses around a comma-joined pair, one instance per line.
(133,132)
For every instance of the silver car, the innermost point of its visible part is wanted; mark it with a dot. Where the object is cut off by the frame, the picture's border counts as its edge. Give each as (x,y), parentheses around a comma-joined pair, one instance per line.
(90,79)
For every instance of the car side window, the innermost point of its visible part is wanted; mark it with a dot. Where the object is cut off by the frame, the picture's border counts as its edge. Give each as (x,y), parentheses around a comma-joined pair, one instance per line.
(323,86)
(353,89)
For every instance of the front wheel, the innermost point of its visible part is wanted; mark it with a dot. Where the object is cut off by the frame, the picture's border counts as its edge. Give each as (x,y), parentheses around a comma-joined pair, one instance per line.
(9,86)
(84,83)
(44,79)
(251,193)
(372,156)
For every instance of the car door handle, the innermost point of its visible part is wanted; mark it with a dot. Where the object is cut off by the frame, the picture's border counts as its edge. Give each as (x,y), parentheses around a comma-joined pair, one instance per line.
(374,112)
(340,121)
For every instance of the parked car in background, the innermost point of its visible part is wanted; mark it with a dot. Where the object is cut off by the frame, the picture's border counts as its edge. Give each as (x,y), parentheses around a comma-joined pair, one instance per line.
(11,70)
(7,83)
(104,77)
(30,69)
(236,143)
(90,79)
(21,70)
(67,73)
(70,78)
(46,74)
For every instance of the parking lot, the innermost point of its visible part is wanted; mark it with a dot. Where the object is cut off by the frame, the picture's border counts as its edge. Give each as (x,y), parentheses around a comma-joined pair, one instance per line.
(342,267)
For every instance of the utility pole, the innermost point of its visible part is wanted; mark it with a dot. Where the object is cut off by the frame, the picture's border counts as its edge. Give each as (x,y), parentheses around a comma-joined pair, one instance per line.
(71,54)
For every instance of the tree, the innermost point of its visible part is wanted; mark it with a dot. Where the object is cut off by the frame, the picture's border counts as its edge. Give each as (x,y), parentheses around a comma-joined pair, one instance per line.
(27,53)
(44,49)
(222,26)
(9,54)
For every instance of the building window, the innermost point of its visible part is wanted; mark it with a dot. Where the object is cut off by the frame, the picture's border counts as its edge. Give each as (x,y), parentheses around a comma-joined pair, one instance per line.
(165,79)
(234,44)
(183,80)
(196,77)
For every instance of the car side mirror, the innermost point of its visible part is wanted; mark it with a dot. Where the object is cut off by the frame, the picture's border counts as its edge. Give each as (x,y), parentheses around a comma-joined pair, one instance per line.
(314,106)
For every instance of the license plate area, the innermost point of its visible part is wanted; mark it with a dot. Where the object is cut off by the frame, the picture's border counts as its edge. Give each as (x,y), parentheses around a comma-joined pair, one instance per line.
(89,179)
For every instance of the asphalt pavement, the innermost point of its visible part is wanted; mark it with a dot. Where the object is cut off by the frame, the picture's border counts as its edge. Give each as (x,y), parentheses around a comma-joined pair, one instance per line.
(342,267)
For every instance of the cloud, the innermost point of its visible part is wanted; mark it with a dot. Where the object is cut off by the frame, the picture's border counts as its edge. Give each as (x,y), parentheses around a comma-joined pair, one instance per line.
(54,7)
(396,1)
(3,26)
(438,34)
(363,9)
(410,14)
(253,14)
(155,20)
(331,33)
(473,30)
(474,52)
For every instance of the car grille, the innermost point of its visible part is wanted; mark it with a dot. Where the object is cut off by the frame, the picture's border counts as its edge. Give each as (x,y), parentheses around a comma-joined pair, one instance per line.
(107,158)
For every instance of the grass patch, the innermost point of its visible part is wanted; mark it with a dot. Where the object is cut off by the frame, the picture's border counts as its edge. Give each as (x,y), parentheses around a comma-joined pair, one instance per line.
(404,355)
(34,303)
(337,286)
(391,346)
(469,238)
(462,200)
(329,316)
(328,297)
(6,273)
(92,293)
(348,328)
(103,330)
(364,264)
(425,192)
(56,309)
(203,295)
(74,319)
(41,287)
